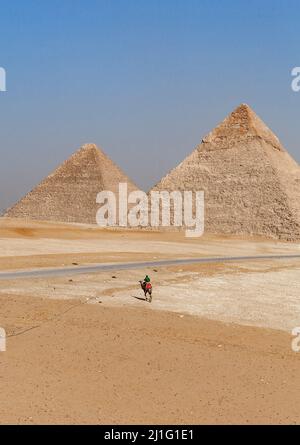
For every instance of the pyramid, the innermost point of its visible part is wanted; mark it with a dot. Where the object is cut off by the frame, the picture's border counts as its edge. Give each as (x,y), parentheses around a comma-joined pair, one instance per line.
(251,184)
(69,193)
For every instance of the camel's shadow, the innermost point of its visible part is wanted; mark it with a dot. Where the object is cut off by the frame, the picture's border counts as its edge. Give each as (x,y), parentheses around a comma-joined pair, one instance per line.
(139,298)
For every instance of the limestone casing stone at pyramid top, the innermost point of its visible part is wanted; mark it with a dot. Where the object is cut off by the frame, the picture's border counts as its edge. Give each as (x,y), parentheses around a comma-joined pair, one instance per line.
(251,183)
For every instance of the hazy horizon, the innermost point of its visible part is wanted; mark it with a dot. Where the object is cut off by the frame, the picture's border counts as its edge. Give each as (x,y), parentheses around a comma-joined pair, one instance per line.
(145,81)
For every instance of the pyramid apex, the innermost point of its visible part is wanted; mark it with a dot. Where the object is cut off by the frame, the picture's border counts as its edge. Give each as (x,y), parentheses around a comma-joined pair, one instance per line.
(243,123)
(244,105)
(90,149)
(244,111)
(244,108)
(89,146)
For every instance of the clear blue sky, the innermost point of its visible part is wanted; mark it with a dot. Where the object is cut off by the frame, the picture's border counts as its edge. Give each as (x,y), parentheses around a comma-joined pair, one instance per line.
(145,80)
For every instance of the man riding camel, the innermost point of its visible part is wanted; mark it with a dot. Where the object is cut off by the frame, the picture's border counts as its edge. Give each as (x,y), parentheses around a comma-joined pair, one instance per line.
(147,287)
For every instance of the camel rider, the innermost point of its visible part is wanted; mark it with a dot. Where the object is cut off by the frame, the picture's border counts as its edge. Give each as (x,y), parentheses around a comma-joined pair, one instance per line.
(146,283)
(147,279)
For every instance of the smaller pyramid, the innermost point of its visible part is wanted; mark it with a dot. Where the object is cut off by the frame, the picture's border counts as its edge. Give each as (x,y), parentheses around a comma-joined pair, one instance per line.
(69,193)
(251,184)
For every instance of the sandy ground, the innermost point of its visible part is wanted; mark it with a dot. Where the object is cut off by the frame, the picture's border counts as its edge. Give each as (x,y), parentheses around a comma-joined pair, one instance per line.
(258,293)
(32,244)
(92,364)
(214,346)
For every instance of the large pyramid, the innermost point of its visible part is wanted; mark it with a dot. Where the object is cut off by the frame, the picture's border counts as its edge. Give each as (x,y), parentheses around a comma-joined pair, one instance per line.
(251,183)
(69,193)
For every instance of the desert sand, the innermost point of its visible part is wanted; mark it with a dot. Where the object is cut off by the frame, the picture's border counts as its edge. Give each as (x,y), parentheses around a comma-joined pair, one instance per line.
(93,364)
(214,346)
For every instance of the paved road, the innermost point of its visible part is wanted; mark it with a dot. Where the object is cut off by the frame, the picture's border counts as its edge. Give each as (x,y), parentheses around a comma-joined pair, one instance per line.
(62,271)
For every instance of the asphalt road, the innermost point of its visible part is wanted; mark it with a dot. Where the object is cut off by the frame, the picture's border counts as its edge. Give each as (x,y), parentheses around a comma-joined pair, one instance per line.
(63,271)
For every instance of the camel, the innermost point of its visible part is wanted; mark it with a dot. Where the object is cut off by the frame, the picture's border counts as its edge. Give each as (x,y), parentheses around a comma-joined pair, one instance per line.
(147,288)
